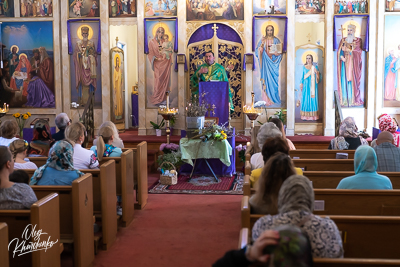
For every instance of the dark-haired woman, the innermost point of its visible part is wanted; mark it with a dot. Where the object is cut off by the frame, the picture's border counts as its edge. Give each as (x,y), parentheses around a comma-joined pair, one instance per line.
(12,195)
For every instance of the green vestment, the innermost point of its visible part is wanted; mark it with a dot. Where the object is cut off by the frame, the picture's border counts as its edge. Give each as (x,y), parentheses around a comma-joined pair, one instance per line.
(216,72)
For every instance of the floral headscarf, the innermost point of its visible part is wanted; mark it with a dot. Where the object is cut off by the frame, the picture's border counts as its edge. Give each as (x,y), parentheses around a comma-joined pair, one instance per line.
(42,140)
(348,128)
(296,193)
(60,158)
(387,123)
(107,152)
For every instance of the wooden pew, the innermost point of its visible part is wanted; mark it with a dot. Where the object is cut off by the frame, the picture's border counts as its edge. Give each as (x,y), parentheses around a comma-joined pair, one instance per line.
(125,184)
(39,161)
(140,174)
(319,153)
(76,216)
(104,200)
(325,164)
(4,261)
(44,214)
(326,179)
(244,238)
(343,202)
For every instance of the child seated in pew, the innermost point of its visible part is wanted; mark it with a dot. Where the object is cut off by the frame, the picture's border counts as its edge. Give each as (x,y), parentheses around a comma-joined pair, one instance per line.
(59,169)
(12,195)
(117,142)
(19,176)
(295,206)
(19,149)
(278,168)
(83,158)
(104,146)
(366,177)
(283,246)
(271,146)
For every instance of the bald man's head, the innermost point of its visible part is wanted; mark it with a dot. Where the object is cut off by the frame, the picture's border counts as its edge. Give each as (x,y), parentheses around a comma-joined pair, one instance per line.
(384,137)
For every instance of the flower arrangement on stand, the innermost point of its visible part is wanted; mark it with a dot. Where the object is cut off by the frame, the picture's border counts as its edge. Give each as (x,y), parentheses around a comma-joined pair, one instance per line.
(213,133)
(171,157)
(242,152)
(21,119)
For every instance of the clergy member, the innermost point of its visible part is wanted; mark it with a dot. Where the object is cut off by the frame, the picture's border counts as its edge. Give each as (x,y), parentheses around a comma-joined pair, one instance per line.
(210,71)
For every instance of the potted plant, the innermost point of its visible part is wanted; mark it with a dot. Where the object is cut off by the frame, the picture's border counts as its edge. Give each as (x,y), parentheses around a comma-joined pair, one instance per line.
(158,127)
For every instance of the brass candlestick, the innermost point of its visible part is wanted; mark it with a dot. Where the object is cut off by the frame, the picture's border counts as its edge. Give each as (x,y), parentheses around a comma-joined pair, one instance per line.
(251,112)
(167,115)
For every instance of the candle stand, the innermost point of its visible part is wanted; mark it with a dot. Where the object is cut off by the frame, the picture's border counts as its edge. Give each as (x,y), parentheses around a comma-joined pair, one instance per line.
(251,112)
(167,114)
(4,110)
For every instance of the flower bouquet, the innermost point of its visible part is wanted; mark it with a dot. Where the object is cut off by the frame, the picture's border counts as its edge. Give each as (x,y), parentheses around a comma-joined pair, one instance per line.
(21,119)
(213,133)
(242,152)
(171,158)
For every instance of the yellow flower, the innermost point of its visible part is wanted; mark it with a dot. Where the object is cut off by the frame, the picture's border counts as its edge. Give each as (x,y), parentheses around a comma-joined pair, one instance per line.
(25,117)
(17,115)
(29,114)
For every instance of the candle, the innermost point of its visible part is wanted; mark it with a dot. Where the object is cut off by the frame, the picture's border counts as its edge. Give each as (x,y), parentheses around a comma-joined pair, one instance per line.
(167,101)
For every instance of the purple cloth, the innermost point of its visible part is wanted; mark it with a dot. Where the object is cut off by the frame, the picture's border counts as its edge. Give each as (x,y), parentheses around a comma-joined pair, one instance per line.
(135,110)
(376,132)
(218,167)
(206,32)
(217,93)
(28,133)
(39,96)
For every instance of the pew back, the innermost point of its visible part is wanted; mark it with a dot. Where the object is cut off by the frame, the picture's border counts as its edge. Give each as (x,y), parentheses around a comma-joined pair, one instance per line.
(319,153)
(124,182)
(76,218)
(4,261)
(325,164)
(44,214)
(140,174)
(104,200)
(39,161)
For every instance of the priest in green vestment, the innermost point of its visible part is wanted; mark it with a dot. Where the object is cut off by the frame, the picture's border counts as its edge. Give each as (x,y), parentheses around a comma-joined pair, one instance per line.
(210,71)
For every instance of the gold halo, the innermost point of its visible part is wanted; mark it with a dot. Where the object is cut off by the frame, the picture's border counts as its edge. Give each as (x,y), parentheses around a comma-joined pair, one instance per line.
(115,59)
(358,28)
(166,30)
(13,47)
(313,53)
(22,54)
(267,23)
(79,32)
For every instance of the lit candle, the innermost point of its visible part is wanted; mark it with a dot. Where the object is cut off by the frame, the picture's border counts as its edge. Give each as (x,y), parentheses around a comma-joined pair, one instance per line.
(167,101)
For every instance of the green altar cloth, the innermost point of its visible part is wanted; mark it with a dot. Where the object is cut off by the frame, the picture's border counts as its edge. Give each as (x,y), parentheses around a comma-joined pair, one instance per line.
(197,149)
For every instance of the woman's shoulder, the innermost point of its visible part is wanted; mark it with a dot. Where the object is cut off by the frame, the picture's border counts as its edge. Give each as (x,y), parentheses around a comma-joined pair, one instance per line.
(22,188)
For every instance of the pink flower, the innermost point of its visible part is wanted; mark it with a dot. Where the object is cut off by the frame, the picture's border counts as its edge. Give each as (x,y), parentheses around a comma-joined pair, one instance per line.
(239,147)
(162,146)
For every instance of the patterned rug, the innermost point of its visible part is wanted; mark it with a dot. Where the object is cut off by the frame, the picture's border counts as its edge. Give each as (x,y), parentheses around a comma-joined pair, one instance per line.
(202,185)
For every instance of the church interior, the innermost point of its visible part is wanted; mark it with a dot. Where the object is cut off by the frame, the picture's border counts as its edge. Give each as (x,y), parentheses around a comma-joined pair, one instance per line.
(193,91)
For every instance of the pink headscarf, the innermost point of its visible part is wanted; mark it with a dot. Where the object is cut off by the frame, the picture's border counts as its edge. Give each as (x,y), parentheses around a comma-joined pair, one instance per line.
(387,123)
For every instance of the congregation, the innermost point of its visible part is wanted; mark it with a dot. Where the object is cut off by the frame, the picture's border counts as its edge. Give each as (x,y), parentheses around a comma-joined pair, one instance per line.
(281,190)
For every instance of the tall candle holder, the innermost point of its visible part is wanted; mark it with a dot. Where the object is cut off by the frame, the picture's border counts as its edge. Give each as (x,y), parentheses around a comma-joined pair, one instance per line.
(4,110)
(251,112)
(167,115)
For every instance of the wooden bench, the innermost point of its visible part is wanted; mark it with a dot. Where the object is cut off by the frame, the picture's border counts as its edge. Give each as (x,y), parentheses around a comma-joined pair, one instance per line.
(44,214)
(344,202)
(325,179)
(4,261)
(104,201)
(125,184)
(319,153)
(76,216)
(140,174)
(39,161)
(244,238)
(363,236)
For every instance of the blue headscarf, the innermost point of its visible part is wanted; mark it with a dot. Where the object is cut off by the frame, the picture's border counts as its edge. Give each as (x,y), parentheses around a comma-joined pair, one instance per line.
(60,158)
(365,160)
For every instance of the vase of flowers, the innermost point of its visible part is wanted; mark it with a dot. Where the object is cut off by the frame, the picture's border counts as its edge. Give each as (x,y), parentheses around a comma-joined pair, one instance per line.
(158,127)
(242,152)
(171,157)
(21,119)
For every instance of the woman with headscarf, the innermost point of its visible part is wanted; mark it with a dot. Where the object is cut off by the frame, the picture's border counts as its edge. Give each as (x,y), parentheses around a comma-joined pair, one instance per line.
(295,206)
(59,168)
(348,136)
(267,130)
(387,123)
(277,169)
(365,165)
(41,141)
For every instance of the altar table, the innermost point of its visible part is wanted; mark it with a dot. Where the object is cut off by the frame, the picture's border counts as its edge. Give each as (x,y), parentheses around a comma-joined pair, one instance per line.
(195,149)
